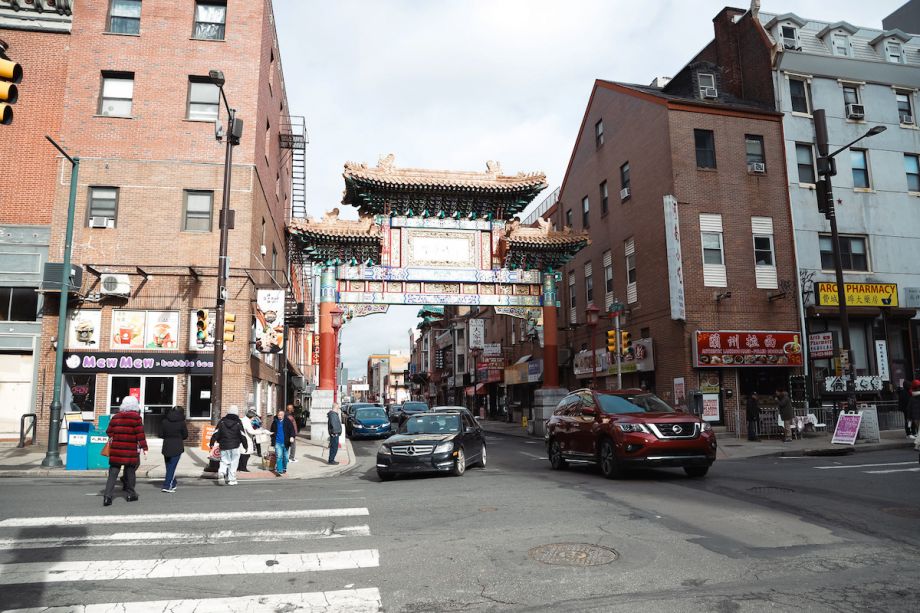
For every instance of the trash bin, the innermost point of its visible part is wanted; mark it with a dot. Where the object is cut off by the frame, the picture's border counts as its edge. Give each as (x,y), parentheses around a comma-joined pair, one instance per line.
(102,422)
(77,445)
(95,459)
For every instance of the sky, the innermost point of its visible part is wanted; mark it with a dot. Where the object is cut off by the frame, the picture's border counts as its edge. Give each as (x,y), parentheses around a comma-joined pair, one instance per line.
(449,84)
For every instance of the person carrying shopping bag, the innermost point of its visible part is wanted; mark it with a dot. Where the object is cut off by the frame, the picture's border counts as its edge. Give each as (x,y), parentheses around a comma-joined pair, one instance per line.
(230,436)
(282,436)
(126,441)
(174,432)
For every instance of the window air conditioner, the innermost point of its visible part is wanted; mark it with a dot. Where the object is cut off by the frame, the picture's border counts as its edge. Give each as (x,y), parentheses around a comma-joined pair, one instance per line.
(758,168)
(115,285)
(624,193)
(263,249)
(710,92)
(101,222)
(907,119)
(855,111)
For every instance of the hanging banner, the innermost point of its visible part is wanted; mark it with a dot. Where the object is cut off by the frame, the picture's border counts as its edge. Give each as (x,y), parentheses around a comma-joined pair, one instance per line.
(675,260)
(881,358)
(477,333)
(269,320)
(860,294)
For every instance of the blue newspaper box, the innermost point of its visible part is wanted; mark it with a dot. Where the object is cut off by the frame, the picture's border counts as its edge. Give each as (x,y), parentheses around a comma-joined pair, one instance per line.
(95,459)
(77,445)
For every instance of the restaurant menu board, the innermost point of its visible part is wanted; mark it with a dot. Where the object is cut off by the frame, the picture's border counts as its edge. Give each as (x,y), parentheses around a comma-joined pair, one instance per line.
(162,330)
(84,329)
(128,329)
(739,349)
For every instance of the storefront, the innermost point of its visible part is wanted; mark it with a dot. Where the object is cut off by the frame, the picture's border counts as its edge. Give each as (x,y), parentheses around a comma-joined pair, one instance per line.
(522,379)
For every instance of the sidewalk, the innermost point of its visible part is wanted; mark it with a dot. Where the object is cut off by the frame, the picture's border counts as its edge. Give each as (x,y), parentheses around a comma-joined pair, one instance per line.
(310,464)
(732,448)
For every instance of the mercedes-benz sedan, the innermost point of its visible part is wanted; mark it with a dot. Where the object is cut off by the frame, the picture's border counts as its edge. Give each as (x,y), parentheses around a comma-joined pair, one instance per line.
(445,442)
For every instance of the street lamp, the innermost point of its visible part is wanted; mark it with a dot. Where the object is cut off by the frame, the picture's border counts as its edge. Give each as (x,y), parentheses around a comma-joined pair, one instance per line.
(592,316)
(827,168)
(233,135)
(337,318)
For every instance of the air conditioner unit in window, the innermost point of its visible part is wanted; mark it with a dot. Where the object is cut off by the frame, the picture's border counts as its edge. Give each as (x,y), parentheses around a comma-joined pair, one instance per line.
(115,285)
(263,249)
(624,193)
(758,168)
(907,119)
(101,222)
(855,111)
(710,92)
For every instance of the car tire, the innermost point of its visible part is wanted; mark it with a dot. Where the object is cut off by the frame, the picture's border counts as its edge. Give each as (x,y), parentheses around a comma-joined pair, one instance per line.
(459,464)
(482,460)
(610,466)
(556,461)
(385,476)
(696,471)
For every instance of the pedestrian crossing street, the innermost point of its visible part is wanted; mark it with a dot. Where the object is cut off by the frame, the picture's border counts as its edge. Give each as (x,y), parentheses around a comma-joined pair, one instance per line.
(55,564)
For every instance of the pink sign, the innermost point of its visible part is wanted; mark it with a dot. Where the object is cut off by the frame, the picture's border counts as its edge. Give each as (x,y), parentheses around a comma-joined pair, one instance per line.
(847,429)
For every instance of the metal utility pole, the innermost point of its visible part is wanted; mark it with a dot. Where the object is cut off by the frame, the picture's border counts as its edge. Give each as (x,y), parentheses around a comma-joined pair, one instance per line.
(52,454)
(619,351)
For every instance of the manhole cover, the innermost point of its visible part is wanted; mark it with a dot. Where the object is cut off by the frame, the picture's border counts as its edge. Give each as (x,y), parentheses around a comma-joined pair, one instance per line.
(573,554)
(769,489)
(908,512)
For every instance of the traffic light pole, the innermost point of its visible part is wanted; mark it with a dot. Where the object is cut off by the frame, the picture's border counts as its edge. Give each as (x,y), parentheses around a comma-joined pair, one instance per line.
(52,454)
(619,351)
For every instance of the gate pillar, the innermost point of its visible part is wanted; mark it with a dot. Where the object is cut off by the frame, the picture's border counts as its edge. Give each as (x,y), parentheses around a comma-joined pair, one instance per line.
(550,333)
(327,347)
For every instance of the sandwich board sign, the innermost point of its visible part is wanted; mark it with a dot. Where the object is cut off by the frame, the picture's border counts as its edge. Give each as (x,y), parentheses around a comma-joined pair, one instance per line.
(847,429)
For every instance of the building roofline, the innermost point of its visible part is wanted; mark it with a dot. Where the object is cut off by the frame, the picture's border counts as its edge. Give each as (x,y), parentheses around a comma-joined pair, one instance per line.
(786,17)
(894,33)
(839,25)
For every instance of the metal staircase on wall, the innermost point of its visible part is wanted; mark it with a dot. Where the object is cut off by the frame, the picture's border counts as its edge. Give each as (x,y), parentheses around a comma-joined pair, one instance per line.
(293,137)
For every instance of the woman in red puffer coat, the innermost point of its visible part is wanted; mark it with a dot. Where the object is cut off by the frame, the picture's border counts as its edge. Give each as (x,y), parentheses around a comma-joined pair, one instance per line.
(126,440)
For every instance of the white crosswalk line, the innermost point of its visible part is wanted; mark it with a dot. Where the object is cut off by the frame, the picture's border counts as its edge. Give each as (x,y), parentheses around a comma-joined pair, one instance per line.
(136,539)
(892,470)
(108,570)
(340,601)
(85,520)
(838,466)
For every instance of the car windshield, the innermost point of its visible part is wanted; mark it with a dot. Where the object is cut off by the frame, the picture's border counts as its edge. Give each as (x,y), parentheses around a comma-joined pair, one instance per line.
(431,424)
(414,407)
(633,403)
(370,413)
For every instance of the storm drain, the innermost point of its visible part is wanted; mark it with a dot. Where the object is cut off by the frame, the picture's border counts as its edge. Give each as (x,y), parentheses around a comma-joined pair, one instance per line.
(573,554)
(770,489)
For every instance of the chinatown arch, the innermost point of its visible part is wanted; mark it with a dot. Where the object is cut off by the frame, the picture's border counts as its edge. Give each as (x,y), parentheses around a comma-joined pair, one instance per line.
(435,237)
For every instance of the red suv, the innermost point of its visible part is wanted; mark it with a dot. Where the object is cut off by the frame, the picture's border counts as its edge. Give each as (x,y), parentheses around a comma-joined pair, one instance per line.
(627,428)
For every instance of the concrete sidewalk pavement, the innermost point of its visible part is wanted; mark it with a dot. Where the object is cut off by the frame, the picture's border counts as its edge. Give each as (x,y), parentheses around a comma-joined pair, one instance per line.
(311,463)
(731,447)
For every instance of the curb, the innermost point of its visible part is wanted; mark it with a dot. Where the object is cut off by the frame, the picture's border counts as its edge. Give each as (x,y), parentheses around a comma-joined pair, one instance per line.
(832,451)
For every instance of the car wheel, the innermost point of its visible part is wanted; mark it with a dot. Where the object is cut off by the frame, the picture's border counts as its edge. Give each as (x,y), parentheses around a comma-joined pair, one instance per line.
(482,461)
(609,465)
(696,471)
(555,456)
(459,464)
(385,476)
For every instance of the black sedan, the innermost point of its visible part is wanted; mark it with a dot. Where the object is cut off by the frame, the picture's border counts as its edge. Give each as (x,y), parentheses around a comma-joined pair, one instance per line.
(400,412)
(369,421)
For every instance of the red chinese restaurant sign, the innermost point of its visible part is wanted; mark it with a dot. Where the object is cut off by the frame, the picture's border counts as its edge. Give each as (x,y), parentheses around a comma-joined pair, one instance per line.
(735,349)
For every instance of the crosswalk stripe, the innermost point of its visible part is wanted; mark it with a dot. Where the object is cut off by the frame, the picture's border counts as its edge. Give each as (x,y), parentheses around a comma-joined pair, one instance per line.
(365,600)
(892,470)
(107,570)
(135,539)
(837,466)
(84,520)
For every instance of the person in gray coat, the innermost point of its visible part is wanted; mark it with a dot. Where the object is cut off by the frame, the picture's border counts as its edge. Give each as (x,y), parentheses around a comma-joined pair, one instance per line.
(334,423)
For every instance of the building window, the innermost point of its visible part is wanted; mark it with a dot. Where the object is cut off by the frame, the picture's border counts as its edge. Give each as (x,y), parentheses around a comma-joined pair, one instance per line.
(599,133)
(860,168)
(840,43)
(800,95)
(103,205)
(116,95)
(894,53)
(125,17)
(714,274)
(629,248)
(605,200)
(912,168)
(707,81)
(268,138)
(764,257)
(763,250)
(18,304)
(589,284)
(203,99)
(585,208)
(210,20)
(905,108)
(850,97)
(608,273)
(274,259)
(712,248)
(624,181)
(805,160)
(852,253)
(197,214)
(568,218)
(705,148)
(753,146)
(790,37)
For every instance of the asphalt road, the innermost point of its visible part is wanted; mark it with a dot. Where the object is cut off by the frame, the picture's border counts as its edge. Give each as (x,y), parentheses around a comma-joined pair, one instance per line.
(812,534)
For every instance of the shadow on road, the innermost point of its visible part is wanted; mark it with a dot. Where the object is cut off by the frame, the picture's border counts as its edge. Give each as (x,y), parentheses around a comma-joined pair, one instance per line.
(23,595)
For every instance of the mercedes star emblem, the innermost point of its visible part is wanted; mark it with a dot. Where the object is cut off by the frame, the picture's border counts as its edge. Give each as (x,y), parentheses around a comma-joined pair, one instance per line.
(410,451)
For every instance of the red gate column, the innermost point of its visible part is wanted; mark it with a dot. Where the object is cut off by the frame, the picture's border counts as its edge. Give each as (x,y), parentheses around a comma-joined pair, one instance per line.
(327,339)
(550,333)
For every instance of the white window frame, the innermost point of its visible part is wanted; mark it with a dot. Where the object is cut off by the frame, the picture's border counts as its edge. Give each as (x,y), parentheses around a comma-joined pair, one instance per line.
(784,39)
(714,275)
(573,299)
(814,170)
(899,56)
(589,283)
(907,174)
(632,277)
(699,80)
(909,96)
(608,278)
(585,212)
(837,37)
(114,78)
(865,157)
(806,81)
(764,274)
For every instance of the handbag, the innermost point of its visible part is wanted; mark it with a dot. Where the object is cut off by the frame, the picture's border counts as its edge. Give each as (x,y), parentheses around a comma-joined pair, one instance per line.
(106,449)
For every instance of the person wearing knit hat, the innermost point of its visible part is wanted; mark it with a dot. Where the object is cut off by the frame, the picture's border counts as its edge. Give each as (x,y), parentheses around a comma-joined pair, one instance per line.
(126,439)
(913,408)
(229,434)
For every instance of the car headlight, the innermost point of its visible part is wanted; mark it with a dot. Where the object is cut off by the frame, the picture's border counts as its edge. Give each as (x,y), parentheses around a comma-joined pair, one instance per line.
(626,427)
(706,427)
(444,447)
(384,450)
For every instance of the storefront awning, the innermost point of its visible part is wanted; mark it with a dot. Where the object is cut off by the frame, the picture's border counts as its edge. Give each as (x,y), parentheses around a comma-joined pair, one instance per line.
(480,389)
(523,359)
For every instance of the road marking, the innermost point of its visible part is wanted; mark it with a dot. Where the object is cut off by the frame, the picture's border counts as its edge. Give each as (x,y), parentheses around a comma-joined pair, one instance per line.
(78,520)
(166,568)
(133,539)
(365,600)
(892,470)
(862,465)
(532,455)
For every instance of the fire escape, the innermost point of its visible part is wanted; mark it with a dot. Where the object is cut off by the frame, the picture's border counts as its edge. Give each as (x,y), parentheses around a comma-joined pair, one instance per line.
(293,140)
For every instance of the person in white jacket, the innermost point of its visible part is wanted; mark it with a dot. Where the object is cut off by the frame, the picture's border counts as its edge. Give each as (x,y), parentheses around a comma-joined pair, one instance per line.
(249,431)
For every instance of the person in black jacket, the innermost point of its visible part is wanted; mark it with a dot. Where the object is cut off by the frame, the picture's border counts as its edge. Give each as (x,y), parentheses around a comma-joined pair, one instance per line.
(282,436)
(230,436)
(753,417)
(174,432)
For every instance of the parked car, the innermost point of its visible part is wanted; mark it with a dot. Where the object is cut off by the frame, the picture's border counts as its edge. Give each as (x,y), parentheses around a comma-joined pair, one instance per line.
(370,421)
(445,441)
(399,412)
(624,429)
(348,411)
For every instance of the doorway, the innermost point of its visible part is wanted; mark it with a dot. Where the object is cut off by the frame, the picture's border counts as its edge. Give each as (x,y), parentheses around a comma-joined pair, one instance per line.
(156,394)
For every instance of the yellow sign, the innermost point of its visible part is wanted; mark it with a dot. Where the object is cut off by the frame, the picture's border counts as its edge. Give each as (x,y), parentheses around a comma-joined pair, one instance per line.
(860,294)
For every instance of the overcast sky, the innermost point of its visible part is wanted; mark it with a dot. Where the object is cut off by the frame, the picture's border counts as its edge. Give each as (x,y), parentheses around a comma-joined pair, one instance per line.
(451,84)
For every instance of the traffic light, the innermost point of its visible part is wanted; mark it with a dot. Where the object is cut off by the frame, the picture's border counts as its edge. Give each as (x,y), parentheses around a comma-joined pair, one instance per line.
(612,341)
(625,342)
(202,325)
(10,75)
(229,327)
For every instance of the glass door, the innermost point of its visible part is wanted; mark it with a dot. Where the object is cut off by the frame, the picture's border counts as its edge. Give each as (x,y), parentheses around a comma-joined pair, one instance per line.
(159,395)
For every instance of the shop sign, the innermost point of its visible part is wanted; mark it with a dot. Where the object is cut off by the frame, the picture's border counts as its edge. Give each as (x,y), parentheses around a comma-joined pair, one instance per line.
(84,329)
(516,374)
(491,350)
(746,349)
(269,330)
(534,371)
(444,340)
(912,297)
(710,407)
(860,294)
(583,363)
(847,429)
(821,345)
(477,333)
(863,384)
(881,358)
(641,359)
(138,362)
(675,259)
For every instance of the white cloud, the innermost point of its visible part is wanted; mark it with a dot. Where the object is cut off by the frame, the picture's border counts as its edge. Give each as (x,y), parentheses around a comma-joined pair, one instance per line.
(451,84)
